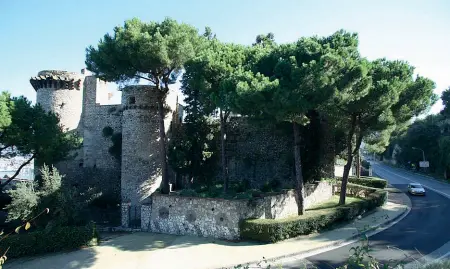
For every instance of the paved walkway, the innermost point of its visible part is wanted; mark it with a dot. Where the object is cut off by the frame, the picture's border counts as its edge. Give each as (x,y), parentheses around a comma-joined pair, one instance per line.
(147,250)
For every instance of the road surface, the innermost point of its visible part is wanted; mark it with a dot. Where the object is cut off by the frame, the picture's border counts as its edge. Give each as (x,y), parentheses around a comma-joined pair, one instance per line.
(424,230)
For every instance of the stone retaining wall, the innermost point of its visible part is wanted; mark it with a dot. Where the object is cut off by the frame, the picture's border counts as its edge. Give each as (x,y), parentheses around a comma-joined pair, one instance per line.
(219,218)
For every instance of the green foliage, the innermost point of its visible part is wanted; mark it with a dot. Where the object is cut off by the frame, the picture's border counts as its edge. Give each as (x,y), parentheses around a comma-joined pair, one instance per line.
(372,182)
(205,79)
(40,242)
(107,131)
(23,202)
(5,110)
(383,97)
(155,52)
(188,192)
(445,97)
(116,149)
(430,134)
(193,150)
(270,230)
(427,134)
(152,50)
(66,204)
(27,130)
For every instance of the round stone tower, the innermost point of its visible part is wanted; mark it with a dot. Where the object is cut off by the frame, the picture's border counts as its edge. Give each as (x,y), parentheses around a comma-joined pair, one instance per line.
(141,169)
(62,93)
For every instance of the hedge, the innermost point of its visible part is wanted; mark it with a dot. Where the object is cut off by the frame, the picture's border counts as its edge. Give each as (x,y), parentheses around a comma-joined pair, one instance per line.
(40,242)
(273,230)
(373,182)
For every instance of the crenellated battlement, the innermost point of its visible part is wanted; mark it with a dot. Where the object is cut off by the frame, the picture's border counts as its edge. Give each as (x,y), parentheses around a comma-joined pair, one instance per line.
(57,80)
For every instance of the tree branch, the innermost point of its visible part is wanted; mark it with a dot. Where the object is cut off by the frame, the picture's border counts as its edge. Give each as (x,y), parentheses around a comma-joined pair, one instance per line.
(142,77)
(2,149)
(18,171)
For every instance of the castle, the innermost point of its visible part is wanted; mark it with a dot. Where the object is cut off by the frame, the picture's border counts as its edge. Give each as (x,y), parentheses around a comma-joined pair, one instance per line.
(80,101)
(120,156)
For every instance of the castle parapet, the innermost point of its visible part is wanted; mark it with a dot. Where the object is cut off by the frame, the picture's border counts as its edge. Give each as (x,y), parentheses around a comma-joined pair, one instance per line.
(57,80)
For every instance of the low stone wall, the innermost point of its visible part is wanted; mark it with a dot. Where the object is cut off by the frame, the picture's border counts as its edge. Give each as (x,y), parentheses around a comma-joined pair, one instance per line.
(219,218)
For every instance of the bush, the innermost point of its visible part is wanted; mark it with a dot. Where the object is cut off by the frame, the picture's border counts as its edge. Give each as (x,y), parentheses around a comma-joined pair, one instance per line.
(271,230)
(105,201)
(58,239)
(67,205)
(373,182)
(188,192)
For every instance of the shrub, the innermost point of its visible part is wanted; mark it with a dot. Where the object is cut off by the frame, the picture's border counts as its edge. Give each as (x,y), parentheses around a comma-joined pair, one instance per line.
(116,149)
(273,230)
(105,201)
(58,239)
(373,182)
(266,187)
(188,192)
(67,205)
(275,185)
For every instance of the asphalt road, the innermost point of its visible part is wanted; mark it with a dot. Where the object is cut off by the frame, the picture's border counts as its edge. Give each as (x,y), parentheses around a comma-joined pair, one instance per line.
(425,229)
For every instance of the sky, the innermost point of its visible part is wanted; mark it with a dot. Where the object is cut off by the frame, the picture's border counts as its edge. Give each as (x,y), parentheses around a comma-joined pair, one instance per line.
(41,35)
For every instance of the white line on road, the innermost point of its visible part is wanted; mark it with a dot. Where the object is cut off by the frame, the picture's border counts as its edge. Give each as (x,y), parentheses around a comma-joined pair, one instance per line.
(441,193)
(428,187)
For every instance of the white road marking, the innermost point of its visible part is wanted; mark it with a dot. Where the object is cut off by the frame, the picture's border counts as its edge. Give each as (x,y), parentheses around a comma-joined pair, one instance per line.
(441,193)
(428,187)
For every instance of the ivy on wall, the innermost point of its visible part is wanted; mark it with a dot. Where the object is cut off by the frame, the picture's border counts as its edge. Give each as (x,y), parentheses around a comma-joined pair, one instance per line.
(116,138)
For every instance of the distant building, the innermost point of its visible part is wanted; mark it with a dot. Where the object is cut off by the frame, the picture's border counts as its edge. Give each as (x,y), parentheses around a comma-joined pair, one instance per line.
(13,183)
(8,167)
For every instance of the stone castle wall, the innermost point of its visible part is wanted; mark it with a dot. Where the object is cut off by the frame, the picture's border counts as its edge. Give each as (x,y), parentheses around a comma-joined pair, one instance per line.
(62,93)
(141,167)
(258,153)
(220,218)
(53,94)
(101,169)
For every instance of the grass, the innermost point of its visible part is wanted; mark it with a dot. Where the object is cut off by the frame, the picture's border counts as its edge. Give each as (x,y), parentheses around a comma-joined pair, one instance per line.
(321,217)
(318,210)
(334,202)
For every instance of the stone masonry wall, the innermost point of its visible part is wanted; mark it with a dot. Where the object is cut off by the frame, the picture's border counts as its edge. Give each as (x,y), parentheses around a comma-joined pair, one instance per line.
(101,169)
(141,167)
(258,153)
(67,102)
(220,218)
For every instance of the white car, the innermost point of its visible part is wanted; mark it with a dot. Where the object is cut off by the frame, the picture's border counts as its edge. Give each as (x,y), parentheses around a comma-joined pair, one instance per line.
(416,189)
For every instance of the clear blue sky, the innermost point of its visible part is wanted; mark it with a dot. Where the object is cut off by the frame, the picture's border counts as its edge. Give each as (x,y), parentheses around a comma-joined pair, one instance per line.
(38,35)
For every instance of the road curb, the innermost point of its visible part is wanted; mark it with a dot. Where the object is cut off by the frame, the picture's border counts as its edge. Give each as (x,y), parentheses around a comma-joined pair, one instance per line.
(304,254)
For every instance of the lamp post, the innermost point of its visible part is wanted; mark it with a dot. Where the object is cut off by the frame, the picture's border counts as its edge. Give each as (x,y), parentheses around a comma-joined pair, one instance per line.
(423,152)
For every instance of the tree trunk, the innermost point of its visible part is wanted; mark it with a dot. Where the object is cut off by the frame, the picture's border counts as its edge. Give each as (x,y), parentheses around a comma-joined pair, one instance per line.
(162,144)
(222,151)
(348,165)
(358,165)
(18,171)
(298,170)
